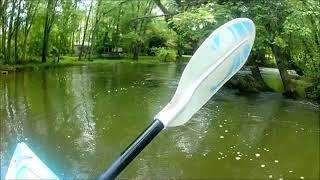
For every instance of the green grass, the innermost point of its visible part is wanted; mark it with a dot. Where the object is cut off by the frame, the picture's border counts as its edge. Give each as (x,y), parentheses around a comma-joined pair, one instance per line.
(66,61)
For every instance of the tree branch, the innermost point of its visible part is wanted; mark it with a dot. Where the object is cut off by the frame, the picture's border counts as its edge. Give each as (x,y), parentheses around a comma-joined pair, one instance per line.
(153,16)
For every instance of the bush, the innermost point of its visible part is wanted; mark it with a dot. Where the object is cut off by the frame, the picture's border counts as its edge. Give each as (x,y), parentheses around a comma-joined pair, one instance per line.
(166,54)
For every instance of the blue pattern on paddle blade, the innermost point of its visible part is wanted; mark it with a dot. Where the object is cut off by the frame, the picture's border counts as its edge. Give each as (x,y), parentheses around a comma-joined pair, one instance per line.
(235,64)
(248,25)
(245,52)
(239,29)
(216,41)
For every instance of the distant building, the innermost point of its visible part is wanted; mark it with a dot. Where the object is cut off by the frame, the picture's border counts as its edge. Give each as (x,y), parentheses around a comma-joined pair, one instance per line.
(77,48)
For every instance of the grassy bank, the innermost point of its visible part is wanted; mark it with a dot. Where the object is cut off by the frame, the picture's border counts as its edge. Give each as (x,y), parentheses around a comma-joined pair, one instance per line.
(66,61)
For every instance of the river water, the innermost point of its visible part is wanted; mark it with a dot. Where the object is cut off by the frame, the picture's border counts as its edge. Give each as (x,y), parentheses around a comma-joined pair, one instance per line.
(78,119)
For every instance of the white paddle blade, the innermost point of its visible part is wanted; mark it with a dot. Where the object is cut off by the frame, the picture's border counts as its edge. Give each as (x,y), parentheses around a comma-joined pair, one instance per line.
(219,57)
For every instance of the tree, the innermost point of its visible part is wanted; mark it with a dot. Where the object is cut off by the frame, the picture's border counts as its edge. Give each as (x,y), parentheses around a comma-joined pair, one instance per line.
(31,11)
(3,8)
(10,31)
(95,27)
(17,27)
(49,19)
(85,30)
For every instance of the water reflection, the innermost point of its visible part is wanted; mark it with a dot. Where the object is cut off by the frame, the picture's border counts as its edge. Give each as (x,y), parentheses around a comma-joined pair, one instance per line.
(79,119)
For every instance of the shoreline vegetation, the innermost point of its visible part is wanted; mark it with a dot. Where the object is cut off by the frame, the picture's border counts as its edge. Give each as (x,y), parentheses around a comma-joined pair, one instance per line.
(244,81)
(67,61)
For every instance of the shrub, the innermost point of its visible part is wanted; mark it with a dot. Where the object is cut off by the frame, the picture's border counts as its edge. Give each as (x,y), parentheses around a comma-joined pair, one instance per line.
(166,54)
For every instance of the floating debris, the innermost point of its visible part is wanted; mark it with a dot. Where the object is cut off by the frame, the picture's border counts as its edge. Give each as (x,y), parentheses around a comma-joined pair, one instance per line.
(257,155)
(270,176)
(68,136)
(200,137)
(226,131)
(238,152)
(220,125)
(221,137)
(276,161)
(263,165)
(238,158)
(290,171)
(301,177)
(280,178)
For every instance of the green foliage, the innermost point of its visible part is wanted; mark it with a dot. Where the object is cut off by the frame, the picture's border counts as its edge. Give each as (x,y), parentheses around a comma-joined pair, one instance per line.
(166,54)
(159,35)
(302,34)
(131,41)
(195,24)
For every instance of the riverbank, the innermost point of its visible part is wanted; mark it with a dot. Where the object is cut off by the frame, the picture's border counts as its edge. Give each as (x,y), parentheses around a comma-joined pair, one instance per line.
(67,61)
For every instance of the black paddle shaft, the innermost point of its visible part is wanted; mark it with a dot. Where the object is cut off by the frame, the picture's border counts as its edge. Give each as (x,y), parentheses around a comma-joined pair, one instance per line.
(132,150)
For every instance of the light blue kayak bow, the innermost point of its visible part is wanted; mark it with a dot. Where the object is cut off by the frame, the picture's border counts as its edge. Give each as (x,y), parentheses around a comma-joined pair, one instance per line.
(26,165)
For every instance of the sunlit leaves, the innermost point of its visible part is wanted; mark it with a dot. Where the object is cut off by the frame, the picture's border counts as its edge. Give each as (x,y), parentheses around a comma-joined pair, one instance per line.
(196,23)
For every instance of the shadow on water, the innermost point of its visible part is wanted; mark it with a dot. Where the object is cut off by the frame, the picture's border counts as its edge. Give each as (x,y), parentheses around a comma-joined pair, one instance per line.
(78,119)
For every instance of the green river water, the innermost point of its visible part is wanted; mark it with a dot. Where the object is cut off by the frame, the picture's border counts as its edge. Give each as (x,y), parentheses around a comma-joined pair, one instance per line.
(78,119)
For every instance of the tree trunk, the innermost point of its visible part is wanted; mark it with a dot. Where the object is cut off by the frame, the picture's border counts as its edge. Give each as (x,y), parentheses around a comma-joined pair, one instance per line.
(281,57)
(163,9)
(136,50)
(256,71)
(45,41)
(10,33)
(17,27)
(75,6)
(31,12)
(24,48)
(85,31)
(47,28)
(72,43)
(258,77)
(4,5)
(95,29)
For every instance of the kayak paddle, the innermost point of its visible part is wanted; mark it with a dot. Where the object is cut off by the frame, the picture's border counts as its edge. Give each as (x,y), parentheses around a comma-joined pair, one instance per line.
(219,57)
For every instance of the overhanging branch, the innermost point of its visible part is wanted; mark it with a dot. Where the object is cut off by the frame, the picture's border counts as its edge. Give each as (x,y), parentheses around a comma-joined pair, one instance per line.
(153,16)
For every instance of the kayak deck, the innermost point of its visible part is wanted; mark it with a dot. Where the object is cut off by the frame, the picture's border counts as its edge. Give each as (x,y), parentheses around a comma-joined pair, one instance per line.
(25,164)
